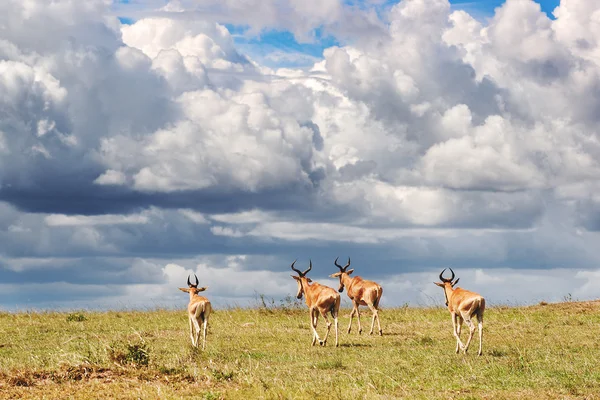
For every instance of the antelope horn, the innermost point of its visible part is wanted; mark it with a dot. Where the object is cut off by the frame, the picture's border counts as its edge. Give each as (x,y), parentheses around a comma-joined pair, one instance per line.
(444,279)
(190,283)
(343,269)
(309,268)
(338,265)
(298,271)
(452,274)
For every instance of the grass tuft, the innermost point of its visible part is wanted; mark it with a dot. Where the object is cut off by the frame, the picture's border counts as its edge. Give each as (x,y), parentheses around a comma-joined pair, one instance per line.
(223,376)
(212,396)
(331,364)
(136,354)
(76,317)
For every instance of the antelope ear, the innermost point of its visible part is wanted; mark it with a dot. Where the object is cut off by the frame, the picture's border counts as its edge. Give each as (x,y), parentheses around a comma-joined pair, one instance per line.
(308,279)
(295,277)
(335,275)
(184,289)
(350,271)
(439,284)
(202,289)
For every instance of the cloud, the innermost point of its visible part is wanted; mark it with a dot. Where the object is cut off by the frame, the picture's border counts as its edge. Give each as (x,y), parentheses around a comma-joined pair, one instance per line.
(423,138)
(194,216)
(302,18)
(84,220)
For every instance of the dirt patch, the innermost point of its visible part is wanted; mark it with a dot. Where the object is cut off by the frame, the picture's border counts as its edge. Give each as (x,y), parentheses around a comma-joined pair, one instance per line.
(88,372)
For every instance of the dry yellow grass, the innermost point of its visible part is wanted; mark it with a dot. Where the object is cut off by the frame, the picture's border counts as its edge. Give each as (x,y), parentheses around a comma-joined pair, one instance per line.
(541,352)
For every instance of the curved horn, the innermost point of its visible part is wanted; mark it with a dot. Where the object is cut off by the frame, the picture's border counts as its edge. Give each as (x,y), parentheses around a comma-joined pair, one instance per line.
(189,283)
(338,265)
(343,269)
(197,281)
(445,279)
(296,270)
(309,268)
(442,277)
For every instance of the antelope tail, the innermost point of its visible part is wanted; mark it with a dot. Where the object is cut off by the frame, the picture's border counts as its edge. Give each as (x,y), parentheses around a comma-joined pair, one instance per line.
(201,310)
(379,292)
(481,304)
(336,305)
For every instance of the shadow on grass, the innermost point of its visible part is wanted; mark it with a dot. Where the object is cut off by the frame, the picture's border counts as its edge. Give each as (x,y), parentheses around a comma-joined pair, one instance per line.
(355,345)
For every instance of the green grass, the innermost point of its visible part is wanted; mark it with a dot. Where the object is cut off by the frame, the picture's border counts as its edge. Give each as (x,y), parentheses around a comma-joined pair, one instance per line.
(542,352)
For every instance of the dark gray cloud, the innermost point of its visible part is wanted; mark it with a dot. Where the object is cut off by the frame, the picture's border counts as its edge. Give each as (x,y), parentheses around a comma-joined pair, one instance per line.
(86,270)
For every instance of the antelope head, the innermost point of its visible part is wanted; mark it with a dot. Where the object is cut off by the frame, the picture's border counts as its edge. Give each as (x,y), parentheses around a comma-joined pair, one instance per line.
(447,283)
(193,288)
(343,270)
(301,276)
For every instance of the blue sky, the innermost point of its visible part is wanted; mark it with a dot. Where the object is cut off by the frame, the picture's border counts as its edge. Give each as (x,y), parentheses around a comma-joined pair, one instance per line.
(132,155)
(266,45)
(487,6)
(283,41)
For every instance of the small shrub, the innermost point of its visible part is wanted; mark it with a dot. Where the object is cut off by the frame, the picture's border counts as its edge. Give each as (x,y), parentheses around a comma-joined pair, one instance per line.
(222,376)
(211,396)
(76,317)
(137,354)
(133,354)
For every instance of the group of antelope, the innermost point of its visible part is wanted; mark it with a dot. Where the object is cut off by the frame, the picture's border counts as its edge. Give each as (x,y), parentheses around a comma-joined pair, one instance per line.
(320,299)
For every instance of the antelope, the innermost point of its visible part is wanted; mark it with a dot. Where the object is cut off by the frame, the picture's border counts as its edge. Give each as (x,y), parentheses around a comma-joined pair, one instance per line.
(362,293)
(319,299)
(199,309)
(463,305)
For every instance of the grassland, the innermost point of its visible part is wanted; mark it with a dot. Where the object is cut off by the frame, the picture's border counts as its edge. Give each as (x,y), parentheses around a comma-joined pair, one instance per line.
(540,352)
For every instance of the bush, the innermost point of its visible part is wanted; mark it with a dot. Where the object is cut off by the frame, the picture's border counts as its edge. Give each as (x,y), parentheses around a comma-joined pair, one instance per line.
(136,354)
(77,317)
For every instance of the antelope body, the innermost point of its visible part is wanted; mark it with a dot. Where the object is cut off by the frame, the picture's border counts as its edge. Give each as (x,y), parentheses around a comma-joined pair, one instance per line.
(199,309)
(362,293)
(463,305)
(319,299)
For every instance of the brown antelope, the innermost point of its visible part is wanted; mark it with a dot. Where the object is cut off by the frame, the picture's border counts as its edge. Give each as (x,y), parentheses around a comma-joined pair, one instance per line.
(319,299)
(362,293)
(199,309)
(463,305)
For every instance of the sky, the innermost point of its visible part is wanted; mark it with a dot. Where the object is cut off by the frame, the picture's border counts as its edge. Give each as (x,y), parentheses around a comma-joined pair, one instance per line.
(143,141)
